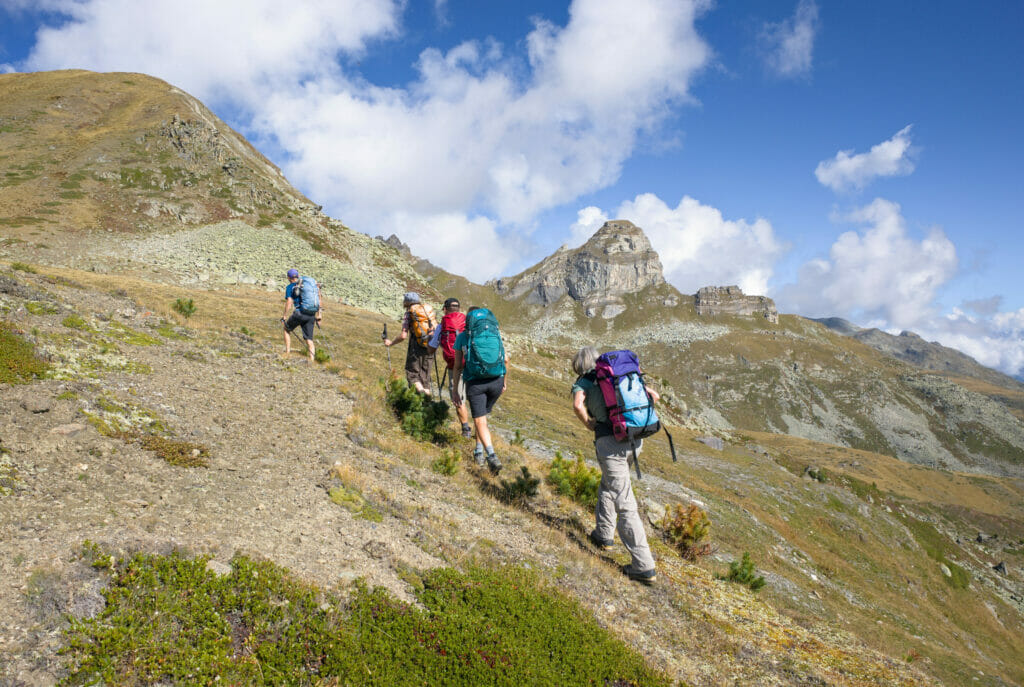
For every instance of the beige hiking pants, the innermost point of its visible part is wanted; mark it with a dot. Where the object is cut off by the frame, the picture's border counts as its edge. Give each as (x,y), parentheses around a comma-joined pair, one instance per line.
(616,506)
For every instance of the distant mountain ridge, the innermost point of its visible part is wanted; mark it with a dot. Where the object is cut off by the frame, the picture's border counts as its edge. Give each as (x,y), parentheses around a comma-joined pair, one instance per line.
(927,355)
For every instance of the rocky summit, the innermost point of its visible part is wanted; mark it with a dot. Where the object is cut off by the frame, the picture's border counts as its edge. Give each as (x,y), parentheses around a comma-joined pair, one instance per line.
(617,260)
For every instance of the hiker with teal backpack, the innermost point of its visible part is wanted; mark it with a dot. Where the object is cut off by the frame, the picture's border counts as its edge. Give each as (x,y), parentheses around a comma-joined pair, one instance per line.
(452,324)
(480,360)
(302,296)
(610,398)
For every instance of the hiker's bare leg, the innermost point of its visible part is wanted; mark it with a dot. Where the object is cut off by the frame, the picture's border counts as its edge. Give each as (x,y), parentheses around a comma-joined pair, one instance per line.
(483,435)
(420,388)
(287,343)
(460,410)
(312,350)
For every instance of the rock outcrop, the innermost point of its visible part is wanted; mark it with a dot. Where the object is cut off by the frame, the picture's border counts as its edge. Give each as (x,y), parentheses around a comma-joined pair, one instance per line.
(617,260)
(730,300)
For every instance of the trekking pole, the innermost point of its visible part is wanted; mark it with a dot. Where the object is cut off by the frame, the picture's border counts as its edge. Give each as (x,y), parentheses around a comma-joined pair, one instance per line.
(636,463)
(440,389)
(384,336)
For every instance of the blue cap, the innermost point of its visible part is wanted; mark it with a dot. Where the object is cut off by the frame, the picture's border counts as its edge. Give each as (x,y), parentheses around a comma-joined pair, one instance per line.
(293,273)
(411,298)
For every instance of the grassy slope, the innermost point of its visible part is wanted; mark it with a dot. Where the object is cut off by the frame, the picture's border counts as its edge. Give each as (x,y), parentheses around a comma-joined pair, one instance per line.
(875,576)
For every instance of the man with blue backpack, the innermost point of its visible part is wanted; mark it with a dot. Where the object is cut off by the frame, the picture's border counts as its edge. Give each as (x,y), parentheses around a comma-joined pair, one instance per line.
(610,398)
(302,296)
(480,360)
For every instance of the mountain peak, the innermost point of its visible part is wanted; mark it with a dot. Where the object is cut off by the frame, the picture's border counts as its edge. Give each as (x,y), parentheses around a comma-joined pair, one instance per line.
(616,260)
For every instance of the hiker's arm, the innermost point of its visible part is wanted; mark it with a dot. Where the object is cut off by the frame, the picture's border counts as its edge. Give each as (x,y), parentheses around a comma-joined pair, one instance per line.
(655,396)
(579,405)
(400,337)
(504,379)
(287,304)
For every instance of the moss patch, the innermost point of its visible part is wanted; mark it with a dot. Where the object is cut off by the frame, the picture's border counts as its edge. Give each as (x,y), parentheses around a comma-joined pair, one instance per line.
(18,361)
(169,619)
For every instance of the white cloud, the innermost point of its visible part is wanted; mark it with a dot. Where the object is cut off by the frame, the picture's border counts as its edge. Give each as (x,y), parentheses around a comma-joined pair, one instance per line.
(880,273)
(468,246)
(697,246)
(588,221)
(846,171)
(477,134)
(231,50)
(995,340)
(788,46)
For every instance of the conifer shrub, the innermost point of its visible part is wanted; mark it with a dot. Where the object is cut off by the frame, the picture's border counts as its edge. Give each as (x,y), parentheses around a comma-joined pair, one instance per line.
(170,620)
(321,356)
(575,479)
(447,463)
(18,361)
(522,488)
(686,529)
(421,418)
(744,573)
(184,307)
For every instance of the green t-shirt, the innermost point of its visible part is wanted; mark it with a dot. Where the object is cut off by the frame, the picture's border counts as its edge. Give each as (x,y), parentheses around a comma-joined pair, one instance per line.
(594,401)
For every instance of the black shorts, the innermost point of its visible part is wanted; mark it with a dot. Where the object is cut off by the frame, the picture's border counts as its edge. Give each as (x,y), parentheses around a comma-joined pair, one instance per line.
(297,319)
(483,393)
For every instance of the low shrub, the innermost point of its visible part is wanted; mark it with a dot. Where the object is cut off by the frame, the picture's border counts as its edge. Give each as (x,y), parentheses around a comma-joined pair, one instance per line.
(421,418)
(321,356)
(74,321)
(575,479)
(523,487)
(22,267)
(686,529)
(185,308)
(181,453)
(170,620)
(744,573)
(447,463)
(18,361)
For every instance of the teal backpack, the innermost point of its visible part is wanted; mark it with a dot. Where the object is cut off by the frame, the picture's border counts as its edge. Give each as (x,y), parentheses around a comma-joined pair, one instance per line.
(485,356)
(306,293)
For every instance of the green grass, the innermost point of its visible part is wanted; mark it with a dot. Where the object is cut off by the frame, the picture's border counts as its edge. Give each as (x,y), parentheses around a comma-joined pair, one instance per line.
(18,361)
(22,267)
(74,321)
(167,619)
(938,549)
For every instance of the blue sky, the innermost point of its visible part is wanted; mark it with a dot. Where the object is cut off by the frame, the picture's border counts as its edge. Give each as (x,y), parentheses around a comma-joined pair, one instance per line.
(851,159)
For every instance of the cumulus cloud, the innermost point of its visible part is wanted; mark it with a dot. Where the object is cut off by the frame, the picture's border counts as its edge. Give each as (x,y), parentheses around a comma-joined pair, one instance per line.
(471,246)
(232,51)
(879,274)
(847,171)
(697,246)
(788,46)
(478,133)
(995,340)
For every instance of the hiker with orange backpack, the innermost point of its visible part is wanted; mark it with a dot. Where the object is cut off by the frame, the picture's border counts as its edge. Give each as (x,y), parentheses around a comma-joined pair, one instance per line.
(418,325)
(452,324)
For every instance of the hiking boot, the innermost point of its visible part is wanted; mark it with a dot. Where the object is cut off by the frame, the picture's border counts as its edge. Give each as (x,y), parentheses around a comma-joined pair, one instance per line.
(493,463)
(478,456)
(603,544)
(467,431)
(641,576)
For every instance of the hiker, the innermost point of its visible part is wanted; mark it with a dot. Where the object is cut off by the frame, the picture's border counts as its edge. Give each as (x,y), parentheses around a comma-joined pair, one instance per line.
(616,506)
(418,325)
(481,361)
(302,295)
(452,323)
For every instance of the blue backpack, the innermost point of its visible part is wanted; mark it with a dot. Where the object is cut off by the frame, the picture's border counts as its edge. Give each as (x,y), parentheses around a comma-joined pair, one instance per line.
(485,354)
(630,409)
(307,295)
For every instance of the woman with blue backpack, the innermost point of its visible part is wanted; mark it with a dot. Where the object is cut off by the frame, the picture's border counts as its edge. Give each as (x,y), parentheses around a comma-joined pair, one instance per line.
(480,360)
(598,394)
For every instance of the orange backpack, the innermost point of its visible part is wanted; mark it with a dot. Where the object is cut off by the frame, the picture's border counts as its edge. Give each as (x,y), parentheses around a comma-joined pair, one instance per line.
(421,323)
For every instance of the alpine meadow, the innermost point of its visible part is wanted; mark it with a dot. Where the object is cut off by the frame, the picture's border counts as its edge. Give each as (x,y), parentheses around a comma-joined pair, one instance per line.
(183,503)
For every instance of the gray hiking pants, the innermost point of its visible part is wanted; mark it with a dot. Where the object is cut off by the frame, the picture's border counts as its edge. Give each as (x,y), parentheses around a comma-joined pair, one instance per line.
(616,505)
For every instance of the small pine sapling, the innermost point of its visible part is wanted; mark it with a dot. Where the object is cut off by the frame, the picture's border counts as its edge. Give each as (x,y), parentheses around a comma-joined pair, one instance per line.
(524,487)
(186,308)
(686,528)
(743,572)
(575,479)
